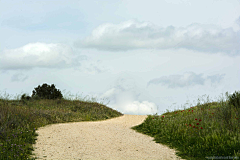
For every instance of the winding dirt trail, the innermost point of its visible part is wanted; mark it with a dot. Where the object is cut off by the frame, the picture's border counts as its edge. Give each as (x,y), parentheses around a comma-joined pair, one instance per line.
(110,139)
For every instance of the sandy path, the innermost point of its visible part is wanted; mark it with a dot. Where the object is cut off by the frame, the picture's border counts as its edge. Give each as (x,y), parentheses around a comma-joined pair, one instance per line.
(109,139)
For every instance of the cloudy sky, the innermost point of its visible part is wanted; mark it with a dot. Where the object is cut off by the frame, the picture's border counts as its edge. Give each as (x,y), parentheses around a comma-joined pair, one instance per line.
(138,57)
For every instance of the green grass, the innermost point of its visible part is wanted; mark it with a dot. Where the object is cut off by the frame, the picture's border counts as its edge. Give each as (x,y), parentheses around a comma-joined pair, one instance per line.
(207,130)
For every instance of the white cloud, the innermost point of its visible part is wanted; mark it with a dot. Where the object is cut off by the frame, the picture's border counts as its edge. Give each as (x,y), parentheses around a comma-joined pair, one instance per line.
(39,55)
(140,108)
(185,80)
(125,102)
(123,95)
(132,34)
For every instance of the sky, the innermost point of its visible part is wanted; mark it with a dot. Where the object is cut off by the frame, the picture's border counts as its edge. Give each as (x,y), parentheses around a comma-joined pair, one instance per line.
(137,57)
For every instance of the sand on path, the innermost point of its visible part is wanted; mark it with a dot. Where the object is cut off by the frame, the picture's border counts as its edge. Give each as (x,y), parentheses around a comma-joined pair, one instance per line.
(111,139)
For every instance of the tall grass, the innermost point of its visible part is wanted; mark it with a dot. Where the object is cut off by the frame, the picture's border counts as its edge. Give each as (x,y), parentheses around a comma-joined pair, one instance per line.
(200,132)
(19,120)
(207,131)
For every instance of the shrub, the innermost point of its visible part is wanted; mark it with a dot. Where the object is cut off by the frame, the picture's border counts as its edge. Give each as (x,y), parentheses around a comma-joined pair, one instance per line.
(36,97)
(47,92)
(24,97)
(234,99)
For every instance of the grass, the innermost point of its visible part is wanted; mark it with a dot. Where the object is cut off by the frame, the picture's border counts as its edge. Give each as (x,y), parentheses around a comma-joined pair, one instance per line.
(200,132)
(207,131)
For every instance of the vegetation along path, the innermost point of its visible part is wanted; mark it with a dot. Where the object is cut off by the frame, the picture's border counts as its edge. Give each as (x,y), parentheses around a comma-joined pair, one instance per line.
(64,128)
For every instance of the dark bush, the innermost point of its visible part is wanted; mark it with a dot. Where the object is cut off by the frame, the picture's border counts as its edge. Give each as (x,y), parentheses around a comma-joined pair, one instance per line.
(234,99)
(47,92)
(36,97)
(24,97)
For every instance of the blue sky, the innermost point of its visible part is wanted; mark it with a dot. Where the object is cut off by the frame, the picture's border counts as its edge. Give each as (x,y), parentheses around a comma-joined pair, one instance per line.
(138,57)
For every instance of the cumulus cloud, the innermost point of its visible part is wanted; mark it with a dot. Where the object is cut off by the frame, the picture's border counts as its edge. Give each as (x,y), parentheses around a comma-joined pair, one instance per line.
(124,98)
(125,102)
(186,80)
(39,55)
(132,34)
(141,108)
(123,91)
